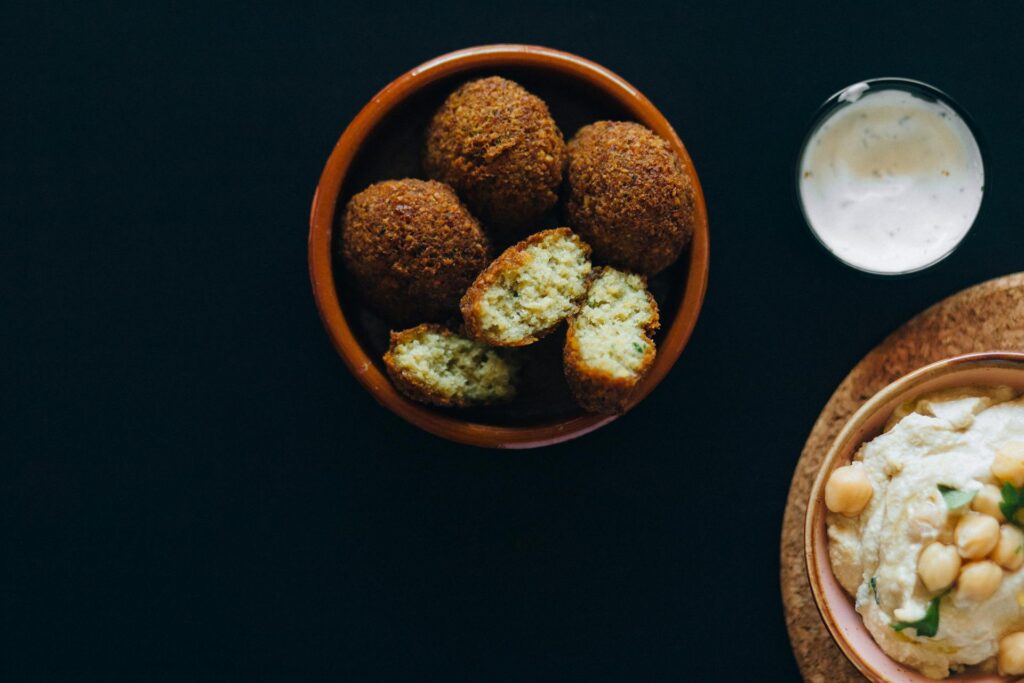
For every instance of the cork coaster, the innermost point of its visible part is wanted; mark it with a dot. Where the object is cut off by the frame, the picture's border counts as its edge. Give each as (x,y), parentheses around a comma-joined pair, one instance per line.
(986,317)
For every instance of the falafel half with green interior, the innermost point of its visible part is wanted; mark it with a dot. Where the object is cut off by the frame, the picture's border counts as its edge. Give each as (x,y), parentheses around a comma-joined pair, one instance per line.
(497,145)
(630,197)
(412,249)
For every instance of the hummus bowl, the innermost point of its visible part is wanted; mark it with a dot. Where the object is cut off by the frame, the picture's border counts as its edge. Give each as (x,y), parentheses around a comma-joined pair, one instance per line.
(845,624)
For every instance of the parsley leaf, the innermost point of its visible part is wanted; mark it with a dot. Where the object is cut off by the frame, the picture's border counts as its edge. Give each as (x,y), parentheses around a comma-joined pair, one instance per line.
(955,498)
(639,348)
(929,625)
(1013,500)
(874,590)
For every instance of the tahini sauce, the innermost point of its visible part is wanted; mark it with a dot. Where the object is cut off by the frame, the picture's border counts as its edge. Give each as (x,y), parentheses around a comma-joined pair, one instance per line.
(891,182)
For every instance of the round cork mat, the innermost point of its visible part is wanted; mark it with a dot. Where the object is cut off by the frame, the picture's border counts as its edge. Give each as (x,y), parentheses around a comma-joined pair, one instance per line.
(986,317)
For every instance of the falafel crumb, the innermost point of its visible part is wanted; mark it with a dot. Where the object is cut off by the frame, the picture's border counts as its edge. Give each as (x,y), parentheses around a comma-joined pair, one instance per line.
(608,347)
(431,364)
(529,289)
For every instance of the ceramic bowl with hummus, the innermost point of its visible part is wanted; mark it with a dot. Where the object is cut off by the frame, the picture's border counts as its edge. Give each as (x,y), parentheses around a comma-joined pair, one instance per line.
(915,528)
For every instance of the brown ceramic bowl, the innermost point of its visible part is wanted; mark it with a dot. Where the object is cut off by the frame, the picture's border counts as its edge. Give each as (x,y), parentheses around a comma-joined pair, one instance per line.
(835,605)
(384,141)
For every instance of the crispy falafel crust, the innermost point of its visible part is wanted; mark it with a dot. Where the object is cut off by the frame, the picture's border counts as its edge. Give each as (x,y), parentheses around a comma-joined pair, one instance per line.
(512,258)
(497,145)
(597,391)
(629,195)
(412,248)
(414,387)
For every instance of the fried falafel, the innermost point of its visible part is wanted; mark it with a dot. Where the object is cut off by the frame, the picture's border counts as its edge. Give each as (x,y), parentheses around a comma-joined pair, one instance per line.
(629,196)
(497,145)
(609,344)
(412,248)
(528,290)
(431,364)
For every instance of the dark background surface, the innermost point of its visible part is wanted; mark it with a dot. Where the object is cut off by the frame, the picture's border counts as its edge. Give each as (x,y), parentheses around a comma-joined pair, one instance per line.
(193,486)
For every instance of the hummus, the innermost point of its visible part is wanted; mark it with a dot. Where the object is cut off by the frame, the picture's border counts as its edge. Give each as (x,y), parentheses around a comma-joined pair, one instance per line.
(940,442)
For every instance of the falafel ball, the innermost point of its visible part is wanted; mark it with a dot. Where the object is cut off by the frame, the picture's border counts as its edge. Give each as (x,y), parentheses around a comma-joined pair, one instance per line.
(412,248)
(498,146)
(629,196)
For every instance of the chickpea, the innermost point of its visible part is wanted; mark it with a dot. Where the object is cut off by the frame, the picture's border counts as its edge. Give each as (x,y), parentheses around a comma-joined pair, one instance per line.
(938,566)
(979,580)
(1009,552)
(976,535)
(848,490)
(987,502)
(1011,654)
(1008,465)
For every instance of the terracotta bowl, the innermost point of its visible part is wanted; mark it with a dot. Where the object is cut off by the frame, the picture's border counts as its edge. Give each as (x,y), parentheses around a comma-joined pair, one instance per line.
(835,605)
(384,141)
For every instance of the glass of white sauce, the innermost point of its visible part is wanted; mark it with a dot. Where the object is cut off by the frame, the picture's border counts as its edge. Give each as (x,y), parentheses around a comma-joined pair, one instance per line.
(890,177)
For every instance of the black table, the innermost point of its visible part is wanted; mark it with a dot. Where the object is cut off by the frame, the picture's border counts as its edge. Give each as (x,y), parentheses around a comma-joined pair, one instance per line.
(193,486)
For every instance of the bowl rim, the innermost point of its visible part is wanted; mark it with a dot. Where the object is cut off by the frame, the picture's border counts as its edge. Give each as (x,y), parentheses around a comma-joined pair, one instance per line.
(813,517)
(324,207)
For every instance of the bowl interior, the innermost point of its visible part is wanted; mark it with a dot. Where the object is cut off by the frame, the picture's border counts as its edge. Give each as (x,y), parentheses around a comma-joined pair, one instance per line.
(836,606)
(393,150)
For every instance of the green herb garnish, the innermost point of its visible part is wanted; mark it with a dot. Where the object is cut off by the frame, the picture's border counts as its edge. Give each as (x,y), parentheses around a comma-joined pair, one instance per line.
(639,348)
(874,590)
(929,625)
(1013,500)
(955,498)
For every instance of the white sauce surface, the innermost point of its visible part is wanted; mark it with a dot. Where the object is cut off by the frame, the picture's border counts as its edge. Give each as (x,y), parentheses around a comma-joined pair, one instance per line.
(891,182)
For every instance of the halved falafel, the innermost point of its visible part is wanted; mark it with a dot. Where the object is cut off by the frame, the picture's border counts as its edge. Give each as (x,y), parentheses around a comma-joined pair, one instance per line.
(528,290)
(609,344)
(629,196)
(431,364)
(497,145)
(412,248)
